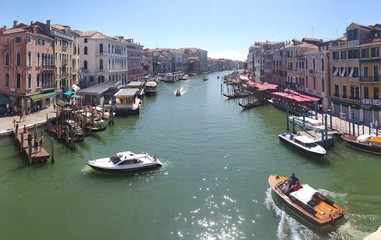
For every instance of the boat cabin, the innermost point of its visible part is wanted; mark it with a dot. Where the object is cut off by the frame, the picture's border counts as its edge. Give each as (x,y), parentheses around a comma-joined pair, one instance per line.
(305,141)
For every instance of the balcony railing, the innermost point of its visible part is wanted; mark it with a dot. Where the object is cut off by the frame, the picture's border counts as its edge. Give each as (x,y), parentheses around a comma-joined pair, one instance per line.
(48,67)
(64,62)
(370,79)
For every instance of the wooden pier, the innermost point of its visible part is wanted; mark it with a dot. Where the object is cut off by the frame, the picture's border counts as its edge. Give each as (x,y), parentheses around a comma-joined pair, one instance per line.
(21,138)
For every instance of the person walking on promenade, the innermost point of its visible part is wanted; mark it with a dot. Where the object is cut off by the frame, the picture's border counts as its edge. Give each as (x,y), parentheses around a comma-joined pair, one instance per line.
(20,116)
(24,130)
(14,122)
(24,116)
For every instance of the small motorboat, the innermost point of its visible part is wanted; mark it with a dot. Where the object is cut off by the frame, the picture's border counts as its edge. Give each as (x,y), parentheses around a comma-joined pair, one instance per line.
(124,162)
(366,143)
(179,91)
(308,203)
(205,79)
(303,143)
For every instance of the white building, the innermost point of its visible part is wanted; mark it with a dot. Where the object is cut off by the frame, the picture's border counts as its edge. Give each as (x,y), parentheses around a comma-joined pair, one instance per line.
(103,58)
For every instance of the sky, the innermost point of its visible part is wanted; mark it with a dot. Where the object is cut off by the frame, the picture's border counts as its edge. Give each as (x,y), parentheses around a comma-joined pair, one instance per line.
(224,28)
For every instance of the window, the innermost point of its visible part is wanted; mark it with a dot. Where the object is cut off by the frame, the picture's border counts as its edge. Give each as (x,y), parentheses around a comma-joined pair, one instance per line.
(38,80)
(366,92)
(322,65)
(337,93)
(365,53)
(17,39)
(18,80)
(7,41)
(85,64)
(343,72)
(101,48)
(366,74)
(101,64)
(38,59)
(355,72)
(353,54)
(375,93)
(29,38)
(374,52)
(344,92)
(6,80)
(322,85)
(29,81)
(18,59)
(29,59)
(7,60)
(313,64)
(343,54)
(85,40)
(352,34)
(335,55)
(85,51)
(375,74)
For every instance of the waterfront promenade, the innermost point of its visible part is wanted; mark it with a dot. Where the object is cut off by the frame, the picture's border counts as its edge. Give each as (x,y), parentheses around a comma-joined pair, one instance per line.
(38,118)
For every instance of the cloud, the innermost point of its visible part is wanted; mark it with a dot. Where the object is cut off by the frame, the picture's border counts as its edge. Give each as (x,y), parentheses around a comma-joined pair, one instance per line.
(234,55)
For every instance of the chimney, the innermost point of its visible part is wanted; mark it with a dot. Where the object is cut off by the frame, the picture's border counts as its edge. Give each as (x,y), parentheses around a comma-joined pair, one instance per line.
(48,28)
(15,23)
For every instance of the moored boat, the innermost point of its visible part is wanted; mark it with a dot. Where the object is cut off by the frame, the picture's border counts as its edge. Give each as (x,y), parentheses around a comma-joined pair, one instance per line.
(366,143)
(250,104)
(307,203)
(302,143)
(150,88)
(180,91)
(124,162)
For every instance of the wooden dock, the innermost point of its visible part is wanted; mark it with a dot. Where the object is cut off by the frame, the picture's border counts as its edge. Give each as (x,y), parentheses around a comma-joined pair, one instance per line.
(21,138)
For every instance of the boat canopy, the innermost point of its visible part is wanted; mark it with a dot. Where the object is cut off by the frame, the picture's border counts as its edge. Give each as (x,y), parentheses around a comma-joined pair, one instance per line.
(304,194)
(376,139)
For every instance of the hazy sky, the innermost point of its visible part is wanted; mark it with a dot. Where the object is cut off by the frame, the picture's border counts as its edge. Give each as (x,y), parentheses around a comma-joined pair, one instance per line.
(223,28)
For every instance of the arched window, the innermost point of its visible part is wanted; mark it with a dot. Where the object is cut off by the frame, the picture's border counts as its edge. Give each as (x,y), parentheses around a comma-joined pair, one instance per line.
(85,64)
(29,59)
(322,85)
(38,59)
(18,80)
(29,81)
(101,48)
(85,51)
(313,63)
(7,60)
(38,80)
(6,80)
(101,64)
(18,58)
(322,64)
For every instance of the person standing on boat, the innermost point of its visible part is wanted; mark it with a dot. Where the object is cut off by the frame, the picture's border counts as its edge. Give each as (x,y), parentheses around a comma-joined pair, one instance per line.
(294,179)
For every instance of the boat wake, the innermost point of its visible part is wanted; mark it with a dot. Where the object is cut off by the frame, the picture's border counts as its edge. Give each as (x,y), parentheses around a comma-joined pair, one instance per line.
(290,228)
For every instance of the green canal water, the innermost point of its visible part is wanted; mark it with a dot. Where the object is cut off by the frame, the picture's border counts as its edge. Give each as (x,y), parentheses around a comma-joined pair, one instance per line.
(213,184)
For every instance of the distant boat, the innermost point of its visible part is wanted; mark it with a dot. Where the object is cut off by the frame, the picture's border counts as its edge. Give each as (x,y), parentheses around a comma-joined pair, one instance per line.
(250,104)
(150,88)
(205,79)
(180,91)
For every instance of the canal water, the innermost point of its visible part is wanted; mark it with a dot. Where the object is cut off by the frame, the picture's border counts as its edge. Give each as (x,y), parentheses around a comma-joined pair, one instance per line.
(213,185)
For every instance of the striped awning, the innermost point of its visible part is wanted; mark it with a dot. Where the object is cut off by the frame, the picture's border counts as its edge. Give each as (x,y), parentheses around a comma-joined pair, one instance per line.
(40,96)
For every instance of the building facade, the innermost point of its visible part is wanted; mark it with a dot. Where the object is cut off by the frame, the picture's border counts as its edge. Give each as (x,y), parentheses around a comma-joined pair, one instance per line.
(28,63)
(102,58)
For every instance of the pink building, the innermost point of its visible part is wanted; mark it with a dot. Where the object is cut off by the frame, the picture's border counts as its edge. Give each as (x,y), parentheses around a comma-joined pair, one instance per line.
(27,61)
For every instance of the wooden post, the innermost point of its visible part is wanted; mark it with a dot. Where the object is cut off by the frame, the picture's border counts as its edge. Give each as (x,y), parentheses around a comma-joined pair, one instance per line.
(35,131)
(52,149)
(16,131)
(30,152)
(22,142)
(67,134)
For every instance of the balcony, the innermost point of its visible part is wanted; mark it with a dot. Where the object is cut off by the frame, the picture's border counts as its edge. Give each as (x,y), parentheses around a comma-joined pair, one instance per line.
(64,62)
(48,67)
(370,79)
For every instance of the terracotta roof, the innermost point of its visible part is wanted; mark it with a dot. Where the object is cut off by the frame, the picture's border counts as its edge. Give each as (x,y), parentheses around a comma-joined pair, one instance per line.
(14,30)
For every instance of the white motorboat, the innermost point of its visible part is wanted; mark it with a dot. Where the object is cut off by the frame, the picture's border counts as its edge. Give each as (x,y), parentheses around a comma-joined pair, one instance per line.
(125,161)
(180,91)
(307,123)
(302,143)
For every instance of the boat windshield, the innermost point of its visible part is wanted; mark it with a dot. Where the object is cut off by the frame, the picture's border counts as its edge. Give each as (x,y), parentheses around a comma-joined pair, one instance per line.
(115,159)
(311,145)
